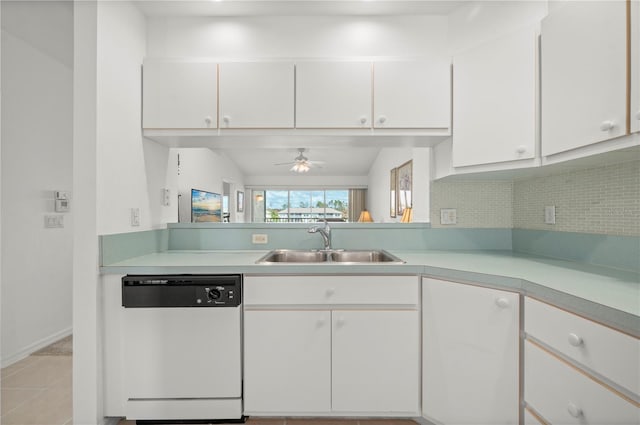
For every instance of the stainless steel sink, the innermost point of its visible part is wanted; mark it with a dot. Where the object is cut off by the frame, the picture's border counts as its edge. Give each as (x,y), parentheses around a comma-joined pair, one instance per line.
(279,256)
(290,256)
(365,256)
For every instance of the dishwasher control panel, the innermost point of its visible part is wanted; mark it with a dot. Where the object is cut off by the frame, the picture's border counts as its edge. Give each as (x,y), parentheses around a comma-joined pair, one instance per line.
(145,291)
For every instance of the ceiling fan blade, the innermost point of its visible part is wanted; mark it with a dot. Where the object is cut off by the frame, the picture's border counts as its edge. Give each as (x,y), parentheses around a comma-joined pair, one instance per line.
(286,163)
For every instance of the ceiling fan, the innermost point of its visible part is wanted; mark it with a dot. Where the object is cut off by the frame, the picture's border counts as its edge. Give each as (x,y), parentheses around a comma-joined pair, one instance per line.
(301,164)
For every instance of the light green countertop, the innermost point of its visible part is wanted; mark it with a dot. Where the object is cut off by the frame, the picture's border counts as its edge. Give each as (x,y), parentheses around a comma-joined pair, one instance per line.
(607,295)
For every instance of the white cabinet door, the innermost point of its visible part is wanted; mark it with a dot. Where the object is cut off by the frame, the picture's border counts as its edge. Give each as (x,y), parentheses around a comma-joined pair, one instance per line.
(414,94)
(470,361)
(376,364)
(494,101)
(256,95)
(586,342)
(287,361)
(333,95)
(562,395)
(635,66)
(583,69)
(531,419)
(179,95)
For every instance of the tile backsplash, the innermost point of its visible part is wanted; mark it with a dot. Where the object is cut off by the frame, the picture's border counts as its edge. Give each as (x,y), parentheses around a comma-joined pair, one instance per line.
(602,200)
(479,204)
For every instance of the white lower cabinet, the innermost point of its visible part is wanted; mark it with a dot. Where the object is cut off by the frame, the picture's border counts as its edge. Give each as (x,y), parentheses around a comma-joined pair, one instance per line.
(331,358)
(562,394)
(287,361)
(532,419)
(375,355)
(586,343)
(470,349)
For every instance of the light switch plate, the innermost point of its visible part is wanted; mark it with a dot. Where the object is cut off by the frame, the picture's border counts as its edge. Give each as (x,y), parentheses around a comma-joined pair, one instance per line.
(550,214)
(448,216)
(135,216)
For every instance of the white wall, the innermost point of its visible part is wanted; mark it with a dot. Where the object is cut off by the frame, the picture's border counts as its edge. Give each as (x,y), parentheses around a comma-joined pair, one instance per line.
(37,159)
(132,170)
(477,22)
(297,36)
(378,198)
(86,311)
(205,169)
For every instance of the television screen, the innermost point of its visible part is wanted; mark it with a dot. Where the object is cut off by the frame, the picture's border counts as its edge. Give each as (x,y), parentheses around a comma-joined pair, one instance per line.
(205,206)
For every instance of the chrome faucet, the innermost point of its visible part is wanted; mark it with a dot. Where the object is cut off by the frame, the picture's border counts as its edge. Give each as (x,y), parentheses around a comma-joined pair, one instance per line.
(324,232)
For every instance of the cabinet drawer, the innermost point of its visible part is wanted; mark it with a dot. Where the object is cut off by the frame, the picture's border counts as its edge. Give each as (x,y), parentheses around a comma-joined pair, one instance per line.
(326,290)
(562,395)
(610,353)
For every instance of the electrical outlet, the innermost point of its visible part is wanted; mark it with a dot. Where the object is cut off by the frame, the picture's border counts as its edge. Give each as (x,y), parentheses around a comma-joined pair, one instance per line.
(550,214)
(258,238)
(448,216)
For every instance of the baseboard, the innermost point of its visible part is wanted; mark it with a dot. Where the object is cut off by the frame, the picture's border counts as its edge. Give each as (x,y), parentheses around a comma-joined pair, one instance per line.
(32,348)
(424,421)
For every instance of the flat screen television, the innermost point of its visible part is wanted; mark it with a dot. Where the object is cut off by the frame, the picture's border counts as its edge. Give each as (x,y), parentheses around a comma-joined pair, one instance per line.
(205,206)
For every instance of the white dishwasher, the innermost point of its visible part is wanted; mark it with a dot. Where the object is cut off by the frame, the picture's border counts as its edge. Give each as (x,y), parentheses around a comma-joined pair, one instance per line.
(182,347)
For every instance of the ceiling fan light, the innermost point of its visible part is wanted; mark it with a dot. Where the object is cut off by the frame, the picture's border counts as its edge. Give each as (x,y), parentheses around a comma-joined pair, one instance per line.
(300,167)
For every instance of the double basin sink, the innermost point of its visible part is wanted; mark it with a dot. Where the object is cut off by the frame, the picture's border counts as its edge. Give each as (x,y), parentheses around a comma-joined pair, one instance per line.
(340,256)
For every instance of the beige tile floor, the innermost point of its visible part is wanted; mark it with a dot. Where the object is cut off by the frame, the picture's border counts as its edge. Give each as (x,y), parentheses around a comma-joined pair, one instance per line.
(37,391)
(307,421)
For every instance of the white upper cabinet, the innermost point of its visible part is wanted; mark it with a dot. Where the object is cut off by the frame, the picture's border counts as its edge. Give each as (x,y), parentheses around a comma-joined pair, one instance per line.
(494,101)
(256,95)
(584,65)
(635,66)
(333,95)
(179,95)
(412,94)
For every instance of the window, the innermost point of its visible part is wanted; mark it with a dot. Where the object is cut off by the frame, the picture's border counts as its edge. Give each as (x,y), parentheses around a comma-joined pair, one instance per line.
(299,206)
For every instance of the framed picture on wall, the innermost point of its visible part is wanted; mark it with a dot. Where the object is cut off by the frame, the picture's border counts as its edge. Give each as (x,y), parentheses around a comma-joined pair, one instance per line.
(404,175)
(392,193)
(240,202)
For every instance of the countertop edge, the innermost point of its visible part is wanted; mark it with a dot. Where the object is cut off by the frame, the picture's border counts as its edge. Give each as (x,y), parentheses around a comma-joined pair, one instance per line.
(600,313)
